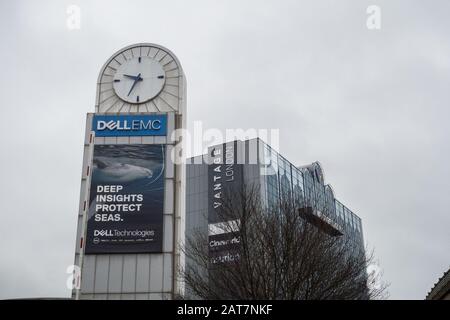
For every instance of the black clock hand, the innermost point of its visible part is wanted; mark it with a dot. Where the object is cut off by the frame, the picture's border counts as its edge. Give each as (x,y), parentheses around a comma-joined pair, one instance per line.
(136,80)
(132,77)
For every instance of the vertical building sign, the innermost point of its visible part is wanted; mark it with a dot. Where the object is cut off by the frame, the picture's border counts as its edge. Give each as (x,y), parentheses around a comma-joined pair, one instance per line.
(225,183)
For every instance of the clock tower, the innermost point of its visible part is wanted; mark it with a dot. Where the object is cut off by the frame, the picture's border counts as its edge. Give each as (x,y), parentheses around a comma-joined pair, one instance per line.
(132,198)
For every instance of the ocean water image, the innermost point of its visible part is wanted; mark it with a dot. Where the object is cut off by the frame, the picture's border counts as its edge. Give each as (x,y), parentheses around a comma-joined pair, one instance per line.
(136,170)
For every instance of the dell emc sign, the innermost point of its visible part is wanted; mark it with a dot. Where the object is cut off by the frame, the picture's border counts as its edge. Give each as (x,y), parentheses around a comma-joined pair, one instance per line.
(142,125)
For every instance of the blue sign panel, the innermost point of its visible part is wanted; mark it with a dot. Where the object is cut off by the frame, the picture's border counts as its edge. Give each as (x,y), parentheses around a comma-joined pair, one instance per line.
(129,125)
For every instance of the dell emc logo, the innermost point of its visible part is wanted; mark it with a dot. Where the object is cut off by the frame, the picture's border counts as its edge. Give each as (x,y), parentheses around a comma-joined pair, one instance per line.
(129,125)
(132,125)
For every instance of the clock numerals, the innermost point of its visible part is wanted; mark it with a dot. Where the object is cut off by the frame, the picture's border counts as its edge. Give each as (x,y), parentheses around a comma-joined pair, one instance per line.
(137,99)
(160,77)
(139,59)
(116,80)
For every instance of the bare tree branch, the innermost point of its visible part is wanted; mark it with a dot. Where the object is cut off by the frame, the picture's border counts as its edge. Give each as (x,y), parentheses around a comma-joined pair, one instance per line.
(278,254)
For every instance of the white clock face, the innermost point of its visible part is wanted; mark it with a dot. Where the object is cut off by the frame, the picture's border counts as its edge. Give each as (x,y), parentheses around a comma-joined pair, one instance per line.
(139,79)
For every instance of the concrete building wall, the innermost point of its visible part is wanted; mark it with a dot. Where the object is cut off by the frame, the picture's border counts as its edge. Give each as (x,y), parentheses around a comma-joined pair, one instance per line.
(196,196)
(196,204)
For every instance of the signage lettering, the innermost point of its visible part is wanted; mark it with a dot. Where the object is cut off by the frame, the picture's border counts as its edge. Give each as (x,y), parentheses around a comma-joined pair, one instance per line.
(129,125)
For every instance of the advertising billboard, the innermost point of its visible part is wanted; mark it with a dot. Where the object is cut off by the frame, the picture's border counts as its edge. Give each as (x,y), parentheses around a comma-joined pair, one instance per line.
(129,125)
(126,199)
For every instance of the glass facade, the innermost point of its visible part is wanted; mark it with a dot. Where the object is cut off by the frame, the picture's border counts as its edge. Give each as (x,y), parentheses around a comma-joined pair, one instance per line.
(306,188)
(269,169)
(278,179)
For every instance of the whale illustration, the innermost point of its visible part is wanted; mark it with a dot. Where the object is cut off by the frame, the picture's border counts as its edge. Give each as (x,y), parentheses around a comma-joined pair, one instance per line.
(109,171)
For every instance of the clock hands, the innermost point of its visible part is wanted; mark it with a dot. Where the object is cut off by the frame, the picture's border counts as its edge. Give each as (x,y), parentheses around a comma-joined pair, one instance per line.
(135,77)
(132,77)
(136,80)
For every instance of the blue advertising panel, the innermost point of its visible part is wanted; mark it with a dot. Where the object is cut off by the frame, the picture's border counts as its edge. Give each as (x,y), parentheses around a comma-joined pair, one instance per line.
(129,125)
(126,200)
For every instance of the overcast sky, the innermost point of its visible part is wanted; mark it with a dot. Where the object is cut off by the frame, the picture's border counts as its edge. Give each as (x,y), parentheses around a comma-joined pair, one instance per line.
(371,105)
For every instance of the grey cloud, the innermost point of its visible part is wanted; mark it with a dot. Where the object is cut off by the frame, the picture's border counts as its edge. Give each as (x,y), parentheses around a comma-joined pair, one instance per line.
(372,106)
